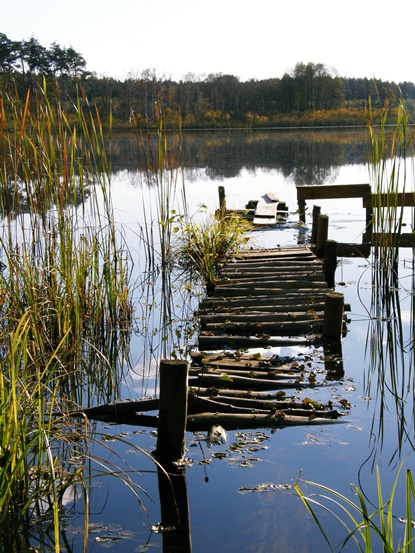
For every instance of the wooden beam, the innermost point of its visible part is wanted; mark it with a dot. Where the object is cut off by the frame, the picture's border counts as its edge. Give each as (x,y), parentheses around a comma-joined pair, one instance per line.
(333,191)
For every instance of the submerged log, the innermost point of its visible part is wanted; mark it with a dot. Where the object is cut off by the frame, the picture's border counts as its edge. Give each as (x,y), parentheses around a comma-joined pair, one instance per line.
(115,412)
(229,421)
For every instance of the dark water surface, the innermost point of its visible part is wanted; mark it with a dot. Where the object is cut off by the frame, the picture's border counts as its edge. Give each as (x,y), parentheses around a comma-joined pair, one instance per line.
(228,509)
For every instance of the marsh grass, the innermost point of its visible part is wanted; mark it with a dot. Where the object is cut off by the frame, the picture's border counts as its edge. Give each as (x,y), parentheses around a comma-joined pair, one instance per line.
(65,301)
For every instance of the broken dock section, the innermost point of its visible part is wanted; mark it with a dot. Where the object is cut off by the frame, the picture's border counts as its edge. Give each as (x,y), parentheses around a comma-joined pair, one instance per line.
(270,297)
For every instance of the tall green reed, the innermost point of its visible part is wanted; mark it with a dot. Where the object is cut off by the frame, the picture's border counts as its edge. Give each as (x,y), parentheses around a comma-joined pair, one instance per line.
(390,340)
(65,259)
(370,527)
(66,308)
(390,345)
(168,295)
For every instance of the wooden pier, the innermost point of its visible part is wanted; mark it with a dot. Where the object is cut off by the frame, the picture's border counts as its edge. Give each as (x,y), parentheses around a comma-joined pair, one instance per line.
(266,298)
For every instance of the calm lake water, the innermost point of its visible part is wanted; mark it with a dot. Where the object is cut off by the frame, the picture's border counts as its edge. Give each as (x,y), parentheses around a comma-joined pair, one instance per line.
(226,510)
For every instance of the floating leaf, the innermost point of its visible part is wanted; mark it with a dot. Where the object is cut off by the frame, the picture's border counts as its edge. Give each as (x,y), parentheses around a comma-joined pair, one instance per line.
(219,455)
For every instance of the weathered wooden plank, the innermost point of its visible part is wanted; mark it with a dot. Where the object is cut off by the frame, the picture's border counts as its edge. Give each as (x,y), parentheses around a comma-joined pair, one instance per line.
(264,221)
(276,328)
(287,407)
(212,342)
(270,273)
(258,317)
(251,373)
(251,291)
(400,199)
(269,279)
(266,310)
(354,250)
(272,266)
(270,287)
(247,383)
(293,253)
(286,300)
(266,209)
(332,191)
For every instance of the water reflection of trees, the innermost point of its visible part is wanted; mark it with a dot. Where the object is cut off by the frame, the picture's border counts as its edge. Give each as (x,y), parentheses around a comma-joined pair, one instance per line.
(306,156)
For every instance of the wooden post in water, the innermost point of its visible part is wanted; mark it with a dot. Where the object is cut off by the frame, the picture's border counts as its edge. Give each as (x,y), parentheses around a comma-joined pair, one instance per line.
(222,201)
(322,234)
(172,410)
(316,213)
(330,262)
(301,210)
(333,316)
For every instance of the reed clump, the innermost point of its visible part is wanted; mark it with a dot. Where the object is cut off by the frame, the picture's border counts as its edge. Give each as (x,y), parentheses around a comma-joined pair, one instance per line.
(203,245)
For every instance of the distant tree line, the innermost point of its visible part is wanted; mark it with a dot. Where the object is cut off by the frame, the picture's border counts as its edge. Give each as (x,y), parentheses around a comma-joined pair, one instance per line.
(309,94)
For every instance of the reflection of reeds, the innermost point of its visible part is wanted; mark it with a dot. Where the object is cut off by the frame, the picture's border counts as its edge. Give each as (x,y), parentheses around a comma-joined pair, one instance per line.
(388,341)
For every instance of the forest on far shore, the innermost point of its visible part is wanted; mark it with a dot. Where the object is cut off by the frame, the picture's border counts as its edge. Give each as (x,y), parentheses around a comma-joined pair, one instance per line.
(310,94)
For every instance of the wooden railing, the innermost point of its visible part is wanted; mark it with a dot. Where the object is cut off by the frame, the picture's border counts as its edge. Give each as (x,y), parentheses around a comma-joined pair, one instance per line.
(370,202)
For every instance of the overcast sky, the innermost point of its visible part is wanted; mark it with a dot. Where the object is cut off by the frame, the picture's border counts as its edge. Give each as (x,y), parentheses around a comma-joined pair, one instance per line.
(249,39)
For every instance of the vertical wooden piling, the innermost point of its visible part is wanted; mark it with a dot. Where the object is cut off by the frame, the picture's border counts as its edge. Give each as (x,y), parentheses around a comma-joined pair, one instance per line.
(322,234)
(172,410)
(222,201)
(333,316)
(330,262)
(301,209)
(316,213)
